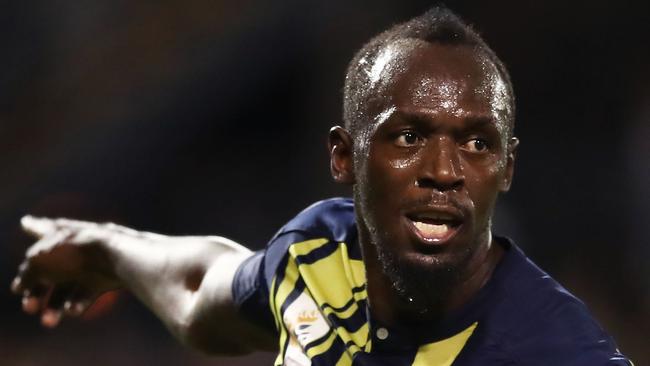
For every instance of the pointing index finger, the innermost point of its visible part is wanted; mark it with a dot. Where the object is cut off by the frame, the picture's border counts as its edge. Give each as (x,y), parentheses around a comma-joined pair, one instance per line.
(37,226)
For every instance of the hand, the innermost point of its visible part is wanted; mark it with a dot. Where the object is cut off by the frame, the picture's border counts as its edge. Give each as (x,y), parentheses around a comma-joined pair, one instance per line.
(66,270)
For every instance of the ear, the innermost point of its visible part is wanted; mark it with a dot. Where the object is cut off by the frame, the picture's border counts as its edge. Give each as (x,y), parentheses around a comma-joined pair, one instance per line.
(513,143)
(341,162)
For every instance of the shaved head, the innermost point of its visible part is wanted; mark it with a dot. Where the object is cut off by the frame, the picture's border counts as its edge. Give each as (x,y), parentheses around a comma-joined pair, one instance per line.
(369,71)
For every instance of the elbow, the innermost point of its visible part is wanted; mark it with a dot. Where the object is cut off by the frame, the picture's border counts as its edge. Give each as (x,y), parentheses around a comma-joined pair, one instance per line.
(215,342)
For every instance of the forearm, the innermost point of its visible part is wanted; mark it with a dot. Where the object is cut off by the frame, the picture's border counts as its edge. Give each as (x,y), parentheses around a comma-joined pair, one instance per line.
(186,282)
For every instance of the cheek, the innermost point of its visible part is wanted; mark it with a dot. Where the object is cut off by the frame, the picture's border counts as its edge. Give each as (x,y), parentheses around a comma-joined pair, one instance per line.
(388,169)
(385,183)
(483,188)
(391,176)
(403,163)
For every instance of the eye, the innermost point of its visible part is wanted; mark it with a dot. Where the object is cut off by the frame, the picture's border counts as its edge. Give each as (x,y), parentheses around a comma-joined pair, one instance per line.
(476,145)
(407,139)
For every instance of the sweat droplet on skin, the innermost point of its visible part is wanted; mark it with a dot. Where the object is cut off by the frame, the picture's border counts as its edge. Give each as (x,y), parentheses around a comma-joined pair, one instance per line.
(383,117)
(444,92)
(404,163)
(387,62)
(495,88)
(381,63)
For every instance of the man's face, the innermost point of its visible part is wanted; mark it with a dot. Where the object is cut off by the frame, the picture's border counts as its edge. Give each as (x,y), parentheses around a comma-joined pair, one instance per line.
(432,161)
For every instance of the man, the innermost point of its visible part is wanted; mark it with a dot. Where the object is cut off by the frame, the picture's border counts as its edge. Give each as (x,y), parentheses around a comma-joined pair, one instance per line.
(407,273)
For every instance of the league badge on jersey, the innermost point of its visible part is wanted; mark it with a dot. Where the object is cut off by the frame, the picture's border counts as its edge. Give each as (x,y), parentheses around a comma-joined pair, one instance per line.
(305,324)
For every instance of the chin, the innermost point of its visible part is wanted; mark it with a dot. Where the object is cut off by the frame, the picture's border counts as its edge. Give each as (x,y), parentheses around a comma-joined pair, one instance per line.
(429,263)
(422,280)
(439,268)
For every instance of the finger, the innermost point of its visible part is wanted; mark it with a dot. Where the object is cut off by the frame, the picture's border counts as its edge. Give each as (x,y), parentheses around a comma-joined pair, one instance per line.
(17,285)
(54,307)
(38,226)
(48,242)
(31,305)
(24,278)
(79,307)
(34,298)
(74,225)
(51,318)
(78,303)
(58,296)
(88,231)
(75,308)
(42,226)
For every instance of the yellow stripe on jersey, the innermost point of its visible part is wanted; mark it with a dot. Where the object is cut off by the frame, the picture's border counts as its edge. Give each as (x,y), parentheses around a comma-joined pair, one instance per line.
(277,298)
(323,347)
(444,352)
(357,270)
(348,312)
(330,281)
(345,360)
(305,247)
(278,325)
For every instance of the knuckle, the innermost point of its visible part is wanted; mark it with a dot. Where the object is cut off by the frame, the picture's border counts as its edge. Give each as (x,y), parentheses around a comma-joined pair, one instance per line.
(23,267)
(111,226)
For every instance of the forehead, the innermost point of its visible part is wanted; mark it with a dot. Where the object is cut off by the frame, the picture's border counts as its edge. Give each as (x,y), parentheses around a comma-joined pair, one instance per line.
(439,78)
(447,70)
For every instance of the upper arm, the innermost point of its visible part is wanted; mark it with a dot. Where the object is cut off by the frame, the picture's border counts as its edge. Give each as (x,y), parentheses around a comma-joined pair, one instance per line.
(247,322)
(221,322)
(251,293)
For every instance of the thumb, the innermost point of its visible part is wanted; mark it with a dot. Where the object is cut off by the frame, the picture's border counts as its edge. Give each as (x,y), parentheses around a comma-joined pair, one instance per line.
(48,242)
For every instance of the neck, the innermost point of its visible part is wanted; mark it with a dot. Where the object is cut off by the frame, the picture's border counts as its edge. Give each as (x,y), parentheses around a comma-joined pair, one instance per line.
(391,309)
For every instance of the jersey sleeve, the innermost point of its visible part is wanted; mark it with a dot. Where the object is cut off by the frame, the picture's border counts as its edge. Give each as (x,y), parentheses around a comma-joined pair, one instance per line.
(253,280)
(332,219)
(250,291)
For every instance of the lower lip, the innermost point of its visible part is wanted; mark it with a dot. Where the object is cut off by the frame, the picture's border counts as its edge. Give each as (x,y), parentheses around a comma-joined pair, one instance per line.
(438,240)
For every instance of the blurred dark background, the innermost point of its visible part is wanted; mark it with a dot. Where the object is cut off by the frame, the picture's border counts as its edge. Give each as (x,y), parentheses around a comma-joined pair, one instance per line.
(210,117)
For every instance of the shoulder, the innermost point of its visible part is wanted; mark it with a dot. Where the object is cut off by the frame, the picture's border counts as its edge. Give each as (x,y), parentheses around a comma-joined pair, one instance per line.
(330,221)
(542,322)
(331,218)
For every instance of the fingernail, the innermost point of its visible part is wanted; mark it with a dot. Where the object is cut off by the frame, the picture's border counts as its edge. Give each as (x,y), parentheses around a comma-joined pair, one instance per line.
(30,305)
(72,309)
(15,285)
(51,318)
(26,219)
(79,308)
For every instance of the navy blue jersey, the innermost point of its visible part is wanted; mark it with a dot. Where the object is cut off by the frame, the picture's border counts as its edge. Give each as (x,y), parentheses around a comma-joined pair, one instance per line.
(309,286)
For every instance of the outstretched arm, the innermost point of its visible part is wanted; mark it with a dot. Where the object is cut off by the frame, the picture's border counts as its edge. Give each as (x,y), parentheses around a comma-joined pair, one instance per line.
(185,281)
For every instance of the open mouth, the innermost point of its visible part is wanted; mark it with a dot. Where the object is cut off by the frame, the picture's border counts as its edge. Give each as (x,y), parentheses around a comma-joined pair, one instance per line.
(435,227)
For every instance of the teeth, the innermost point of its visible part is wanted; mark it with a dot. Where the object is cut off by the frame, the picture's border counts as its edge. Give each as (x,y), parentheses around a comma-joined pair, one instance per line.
(431,230)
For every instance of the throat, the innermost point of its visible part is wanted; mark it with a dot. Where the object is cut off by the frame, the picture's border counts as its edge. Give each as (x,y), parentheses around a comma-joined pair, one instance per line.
(427,300)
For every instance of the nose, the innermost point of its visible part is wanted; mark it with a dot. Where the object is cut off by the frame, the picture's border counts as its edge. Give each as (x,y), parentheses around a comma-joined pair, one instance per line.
(440,168)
